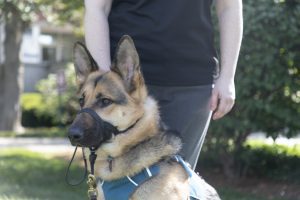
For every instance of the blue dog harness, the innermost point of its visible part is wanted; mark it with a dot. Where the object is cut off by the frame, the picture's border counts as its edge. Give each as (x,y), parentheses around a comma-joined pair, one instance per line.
(123,188)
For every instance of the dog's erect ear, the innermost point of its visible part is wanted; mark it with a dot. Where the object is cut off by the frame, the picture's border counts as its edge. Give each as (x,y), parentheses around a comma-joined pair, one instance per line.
(84,62)
(127,64)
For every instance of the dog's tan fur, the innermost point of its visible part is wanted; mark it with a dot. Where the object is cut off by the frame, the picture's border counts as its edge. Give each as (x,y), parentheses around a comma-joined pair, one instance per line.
(145,143)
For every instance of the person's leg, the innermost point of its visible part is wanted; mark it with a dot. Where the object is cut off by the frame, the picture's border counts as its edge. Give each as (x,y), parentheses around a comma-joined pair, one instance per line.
(186,110)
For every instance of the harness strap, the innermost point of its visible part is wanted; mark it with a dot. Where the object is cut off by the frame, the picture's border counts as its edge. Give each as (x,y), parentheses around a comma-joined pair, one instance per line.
(180,160)
(149,172)
(134,183)
(122,189)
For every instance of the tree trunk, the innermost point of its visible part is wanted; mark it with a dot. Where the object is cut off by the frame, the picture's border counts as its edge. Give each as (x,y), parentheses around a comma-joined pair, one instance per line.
(11,79)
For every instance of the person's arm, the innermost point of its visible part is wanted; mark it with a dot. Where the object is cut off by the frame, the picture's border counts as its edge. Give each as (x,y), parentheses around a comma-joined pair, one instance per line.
(97,31)
(231,28)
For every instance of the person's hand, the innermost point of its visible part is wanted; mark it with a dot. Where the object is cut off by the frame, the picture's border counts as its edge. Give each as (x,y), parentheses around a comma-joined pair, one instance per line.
(223,96)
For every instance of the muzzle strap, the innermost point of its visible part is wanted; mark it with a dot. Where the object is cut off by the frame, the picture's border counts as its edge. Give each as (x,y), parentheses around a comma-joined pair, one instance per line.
(99,121)
(92,113)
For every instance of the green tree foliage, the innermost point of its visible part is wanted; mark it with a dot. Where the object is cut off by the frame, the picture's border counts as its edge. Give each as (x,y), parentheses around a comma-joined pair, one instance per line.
(267,79)
(51,106)
(63,105)
(15,16)
(54,11)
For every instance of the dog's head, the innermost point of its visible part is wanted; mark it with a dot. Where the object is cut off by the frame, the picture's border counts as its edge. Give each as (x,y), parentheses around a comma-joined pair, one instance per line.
(112,101)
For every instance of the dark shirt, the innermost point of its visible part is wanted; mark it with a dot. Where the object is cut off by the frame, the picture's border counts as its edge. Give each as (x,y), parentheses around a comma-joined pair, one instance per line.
(174,39)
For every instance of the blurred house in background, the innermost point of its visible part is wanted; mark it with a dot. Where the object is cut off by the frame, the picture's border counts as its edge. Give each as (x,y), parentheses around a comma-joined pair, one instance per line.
(45,49)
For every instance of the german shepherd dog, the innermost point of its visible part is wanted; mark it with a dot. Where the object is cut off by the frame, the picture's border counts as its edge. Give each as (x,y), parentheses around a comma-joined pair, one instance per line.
(123,124)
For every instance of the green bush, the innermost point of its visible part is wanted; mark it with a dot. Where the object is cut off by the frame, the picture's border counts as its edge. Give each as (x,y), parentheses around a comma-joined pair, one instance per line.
(293,150)
(49,107)
(278,162)
(62,106)
(267,80)
(34,111)
(271,161)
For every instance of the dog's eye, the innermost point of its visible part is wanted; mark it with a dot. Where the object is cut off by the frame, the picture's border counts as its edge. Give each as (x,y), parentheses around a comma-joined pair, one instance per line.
(106,102)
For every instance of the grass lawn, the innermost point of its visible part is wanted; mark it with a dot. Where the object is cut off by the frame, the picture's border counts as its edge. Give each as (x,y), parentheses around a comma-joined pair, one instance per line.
(26,175)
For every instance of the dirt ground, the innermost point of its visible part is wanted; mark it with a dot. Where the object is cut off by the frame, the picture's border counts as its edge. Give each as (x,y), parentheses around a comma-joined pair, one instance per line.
(258,186)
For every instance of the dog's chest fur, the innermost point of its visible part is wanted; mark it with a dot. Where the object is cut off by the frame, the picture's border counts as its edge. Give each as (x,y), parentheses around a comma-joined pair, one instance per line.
(143,155)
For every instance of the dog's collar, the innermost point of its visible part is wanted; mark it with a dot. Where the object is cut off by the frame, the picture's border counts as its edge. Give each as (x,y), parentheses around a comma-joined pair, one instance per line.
(110,158)
(130,127)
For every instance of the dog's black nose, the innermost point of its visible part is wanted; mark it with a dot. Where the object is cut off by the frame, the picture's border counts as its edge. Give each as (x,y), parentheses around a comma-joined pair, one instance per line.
(75,134)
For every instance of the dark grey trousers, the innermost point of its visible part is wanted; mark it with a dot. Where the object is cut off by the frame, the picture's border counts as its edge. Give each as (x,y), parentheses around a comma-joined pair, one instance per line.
(186,110)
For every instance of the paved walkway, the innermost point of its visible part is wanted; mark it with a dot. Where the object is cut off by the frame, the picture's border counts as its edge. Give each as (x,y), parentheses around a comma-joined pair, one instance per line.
(46,145)
(63,146)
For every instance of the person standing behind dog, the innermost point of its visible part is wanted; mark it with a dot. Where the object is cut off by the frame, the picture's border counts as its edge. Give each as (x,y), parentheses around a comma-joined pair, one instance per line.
(174,39)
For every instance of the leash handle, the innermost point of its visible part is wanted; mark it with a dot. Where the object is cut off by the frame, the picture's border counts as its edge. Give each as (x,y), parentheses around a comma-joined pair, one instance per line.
(68,169)
(92,182)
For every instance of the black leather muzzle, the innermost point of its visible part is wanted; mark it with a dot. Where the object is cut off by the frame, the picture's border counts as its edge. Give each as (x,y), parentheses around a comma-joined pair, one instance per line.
(92,137)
